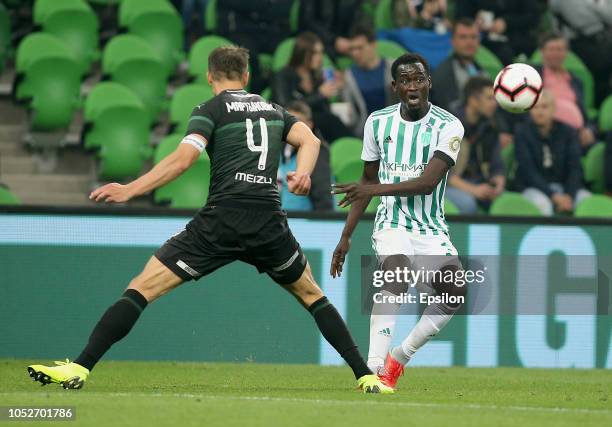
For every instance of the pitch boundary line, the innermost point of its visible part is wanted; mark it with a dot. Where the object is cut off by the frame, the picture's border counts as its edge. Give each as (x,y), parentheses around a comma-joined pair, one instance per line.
(475,406)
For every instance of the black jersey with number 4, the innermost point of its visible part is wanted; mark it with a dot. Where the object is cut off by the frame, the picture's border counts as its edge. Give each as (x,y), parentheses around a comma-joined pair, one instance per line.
(245,135)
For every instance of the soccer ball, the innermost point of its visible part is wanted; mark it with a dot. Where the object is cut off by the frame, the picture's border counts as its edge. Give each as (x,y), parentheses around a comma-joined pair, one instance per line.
(517,88)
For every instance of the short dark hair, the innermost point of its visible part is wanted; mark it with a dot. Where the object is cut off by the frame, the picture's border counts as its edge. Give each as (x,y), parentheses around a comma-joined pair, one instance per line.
(228,62)
(408,58)
(303,48)
(464,22)
(300,107)
(364,29)
(550,36)
(475,86)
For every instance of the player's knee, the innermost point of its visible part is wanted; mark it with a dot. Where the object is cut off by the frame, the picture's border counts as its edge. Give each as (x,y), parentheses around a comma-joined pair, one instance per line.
(147,288)
(393,263)
(447,283)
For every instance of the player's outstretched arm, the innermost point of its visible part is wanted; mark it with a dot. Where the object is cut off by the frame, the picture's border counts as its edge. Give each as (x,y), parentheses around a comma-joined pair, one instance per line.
(165,171)
(307,144)
(425,184)
(369,177)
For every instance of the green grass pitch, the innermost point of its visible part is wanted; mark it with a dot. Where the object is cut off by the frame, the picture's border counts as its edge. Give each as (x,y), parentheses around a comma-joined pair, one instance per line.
(248,394)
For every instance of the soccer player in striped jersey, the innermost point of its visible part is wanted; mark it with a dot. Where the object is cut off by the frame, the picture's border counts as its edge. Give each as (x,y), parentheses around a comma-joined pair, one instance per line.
(408,149)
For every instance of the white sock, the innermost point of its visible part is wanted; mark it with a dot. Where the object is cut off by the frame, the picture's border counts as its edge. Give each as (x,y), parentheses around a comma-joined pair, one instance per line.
(382,327)
(434,318)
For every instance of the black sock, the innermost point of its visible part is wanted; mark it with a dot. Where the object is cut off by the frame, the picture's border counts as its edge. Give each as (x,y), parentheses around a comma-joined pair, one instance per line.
(115,324)
(336,333)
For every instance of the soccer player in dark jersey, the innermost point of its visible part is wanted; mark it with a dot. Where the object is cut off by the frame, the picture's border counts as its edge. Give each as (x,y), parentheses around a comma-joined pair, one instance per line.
(242,220)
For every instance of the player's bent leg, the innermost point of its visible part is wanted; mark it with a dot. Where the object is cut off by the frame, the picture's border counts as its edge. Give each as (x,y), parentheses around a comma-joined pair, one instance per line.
(434,318)
(154,281)
(334,330)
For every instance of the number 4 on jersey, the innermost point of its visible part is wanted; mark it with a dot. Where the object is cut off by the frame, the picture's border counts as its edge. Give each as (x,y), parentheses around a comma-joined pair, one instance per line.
(263,148)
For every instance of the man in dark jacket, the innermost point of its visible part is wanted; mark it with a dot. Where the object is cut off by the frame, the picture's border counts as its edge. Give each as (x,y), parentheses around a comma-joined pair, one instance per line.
(509,27)
(453,73)
(256,25)
(548,155)
(478,176)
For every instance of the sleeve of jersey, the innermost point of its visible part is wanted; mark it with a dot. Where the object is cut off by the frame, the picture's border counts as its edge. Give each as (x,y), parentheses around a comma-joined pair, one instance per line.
(449,142)
(370,151)
(201,122)
(289,120)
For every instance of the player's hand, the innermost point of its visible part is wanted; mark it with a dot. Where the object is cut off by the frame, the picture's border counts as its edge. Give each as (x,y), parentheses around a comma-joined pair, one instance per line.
(338,258)
(298,184)
(113,192)
(353,192)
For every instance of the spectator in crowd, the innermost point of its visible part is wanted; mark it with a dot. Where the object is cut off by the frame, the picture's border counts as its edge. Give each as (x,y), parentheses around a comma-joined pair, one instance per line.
(259,26)
(478,176)
(565,87)
(423,14)
(303,79)
(367,86)
(332,21)
(509,27)
(588,25)
(188,12)
(319,198)
(548,155)
(453,73)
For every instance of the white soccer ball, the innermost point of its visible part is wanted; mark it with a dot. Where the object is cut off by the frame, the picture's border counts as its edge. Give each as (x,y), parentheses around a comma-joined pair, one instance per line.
(517,87)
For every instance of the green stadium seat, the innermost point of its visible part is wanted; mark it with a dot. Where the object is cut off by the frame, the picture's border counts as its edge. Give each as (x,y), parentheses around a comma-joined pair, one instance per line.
(596,206)
(390,50)
(185,99)
(594,168)
(349,172)
(191,188)
(605,115)
(131,61)
(55,85)
(107,95)
(210,16)
(488,61)
(122,133)
(5,36)
(163,30)
(129,123)
(344,151)
(282,55)
(78,28)
(574,64)
(36,46)
(8,198)
(450,208)
(130,9)
(383,15)
(513,204)
(49,81)
(44,8)
(198,55)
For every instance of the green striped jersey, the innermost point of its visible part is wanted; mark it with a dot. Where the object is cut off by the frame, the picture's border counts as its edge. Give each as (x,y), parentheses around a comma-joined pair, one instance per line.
(404,149)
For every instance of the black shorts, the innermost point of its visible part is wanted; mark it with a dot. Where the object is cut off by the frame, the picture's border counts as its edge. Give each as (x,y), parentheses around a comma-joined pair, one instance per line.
(227,231)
